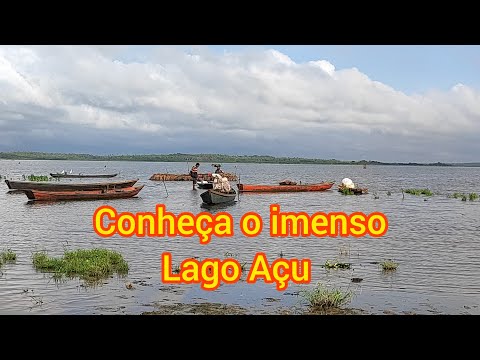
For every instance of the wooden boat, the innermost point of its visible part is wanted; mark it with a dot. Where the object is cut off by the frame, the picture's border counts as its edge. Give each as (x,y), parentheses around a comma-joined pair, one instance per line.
(65,175)
(56,186)
(213,197)
(356,191)
(284,188)
(102,194)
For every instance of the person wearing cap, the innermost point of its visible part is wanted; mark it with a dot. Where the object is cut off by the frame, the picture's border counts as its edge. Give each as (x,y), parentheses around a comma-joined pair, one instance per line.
(218,170)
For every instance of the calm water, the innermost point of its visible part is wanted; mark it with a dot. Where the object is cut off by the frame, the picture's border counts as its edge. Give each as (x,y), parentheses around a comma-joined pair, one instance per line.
(435,242)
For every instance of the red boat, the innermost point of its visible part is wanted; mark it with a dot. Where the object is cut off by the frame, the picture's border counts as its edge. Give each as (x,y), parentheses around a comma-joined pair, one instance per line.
(57,186)
(284,188)
(102,194)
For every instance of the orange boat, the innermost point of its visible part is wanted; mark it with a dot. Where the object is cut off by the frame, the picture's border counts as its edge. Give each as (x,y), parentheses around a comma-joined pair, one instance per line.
(284,188)
(101,194)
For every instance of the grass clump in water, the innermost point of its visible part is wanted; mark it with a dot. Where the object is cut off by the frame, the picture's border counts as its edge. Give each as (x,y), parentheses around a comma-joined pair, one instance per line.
(7,256)
(389,265)
(472,196)
(89,265)
(321,297)
(457,195)
(336,265)
(426,192)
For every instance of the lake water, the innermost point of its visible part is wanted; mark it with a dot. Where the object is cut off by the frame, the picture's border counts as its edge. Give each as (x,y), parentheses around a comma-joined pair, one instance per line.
(435,240)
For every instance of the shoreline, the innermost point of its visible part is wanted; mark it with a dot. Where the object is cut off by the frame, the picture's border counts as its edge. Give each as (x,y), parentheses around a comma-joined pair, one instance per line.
(216,158)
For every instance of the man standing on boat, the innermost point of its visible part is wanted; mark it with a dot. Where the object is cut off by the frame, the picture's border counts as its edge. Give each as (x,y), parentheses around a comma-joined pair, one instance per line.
(218,170)
(194,174)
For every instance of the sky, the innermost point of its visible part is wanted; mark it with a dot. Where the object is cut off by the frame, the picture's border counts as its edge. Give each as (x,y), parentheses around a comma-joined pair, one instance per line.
(392,103)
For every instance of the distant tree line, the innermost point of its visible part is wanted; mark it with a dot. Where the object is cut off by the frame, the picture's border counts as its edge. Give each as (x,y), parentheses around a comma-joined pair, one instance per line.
(205,158)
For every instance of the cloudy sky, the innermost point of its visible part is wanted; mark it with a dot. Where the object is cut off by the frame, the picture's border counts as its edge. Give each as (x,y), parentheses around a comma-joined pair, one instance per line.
(385,103)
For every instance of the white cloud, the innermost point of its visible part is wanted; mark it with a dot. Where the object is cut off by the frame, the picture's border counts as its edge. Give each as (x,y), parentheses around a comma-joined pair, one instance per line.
(281,58)
(325,65)
(243,97)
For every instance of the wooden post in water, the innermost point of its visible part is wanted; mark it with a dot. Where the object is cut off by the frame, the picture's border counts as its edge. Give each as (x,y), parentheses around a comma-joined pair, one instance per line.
(238,188)
(165,184)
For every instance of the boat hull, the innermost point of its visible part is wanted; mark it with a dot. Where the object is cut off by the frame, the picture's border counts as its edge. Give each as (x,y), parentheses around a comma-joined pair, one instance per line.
(284,188)
(55,186)
(213,197)
(81,176)
(103,194)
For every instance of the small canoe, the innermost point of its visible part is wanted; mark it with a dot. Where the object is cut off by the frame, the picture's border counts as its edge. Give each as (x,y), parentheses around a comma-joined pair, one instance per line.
(213,197)
(83,194)
(81,176)
(56,186)
(284,188)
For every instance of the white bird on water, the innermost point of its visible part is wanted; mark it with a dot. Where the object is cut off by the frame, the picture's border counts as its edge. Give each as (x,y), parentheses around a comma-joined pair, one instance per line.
(71,171)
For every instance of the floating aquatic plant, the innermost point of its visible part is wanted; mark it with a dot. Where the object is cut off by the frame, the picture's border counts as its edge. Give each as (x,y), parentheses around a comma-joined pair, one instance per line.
(388,265)
(336,265)
(7,256)
(426,192)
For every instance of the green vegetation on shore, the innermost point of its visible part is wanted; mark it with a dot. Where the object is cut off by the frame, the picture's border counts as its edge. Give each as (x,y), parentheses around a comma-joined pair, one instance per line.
(325,298)
(213,158)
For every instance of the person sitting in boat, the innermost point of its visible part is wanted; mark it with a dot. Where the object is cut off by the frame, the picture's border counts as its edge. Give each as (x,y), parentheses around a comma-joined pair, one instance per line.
(218,170)
(194,173)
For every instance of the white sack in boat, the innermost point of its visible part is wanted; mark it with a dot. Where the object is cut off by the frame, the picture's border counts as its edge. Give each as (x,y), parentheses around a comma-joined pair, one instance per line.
(348,183)
(226,185)
(217,182)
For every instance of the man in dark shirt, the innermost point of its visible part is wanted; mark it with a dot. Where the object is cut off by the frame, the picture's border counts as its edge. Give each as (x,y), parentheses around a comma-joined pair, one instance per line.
(218,170)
